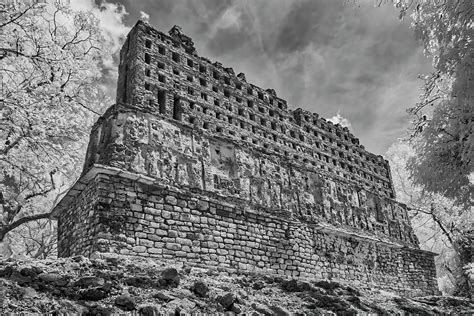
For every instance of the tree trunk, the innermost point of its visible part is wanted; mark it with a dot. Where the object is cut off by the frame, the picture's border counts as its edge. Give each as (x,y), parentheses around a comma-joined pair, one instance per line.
(5,248)
(463,247)
(6,228)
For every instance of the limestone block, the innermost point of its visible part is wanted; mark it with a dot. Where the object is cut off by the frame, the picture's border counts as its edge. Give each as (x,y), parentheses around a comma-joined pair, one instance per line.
(154,250)
(182,203)
(172,233)
(152,211)
(171,200)
(153,237)
(184,241)
(139,249)
(146,243)
(173,246)
(203,205)
(136,207)
(161,232)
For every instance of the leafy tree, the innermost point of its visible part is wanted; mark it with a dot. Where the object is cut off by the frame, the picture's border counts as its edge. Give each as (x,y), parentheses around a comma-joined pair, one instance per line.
(442,132)
(51,69)
(440,163)
(442,225)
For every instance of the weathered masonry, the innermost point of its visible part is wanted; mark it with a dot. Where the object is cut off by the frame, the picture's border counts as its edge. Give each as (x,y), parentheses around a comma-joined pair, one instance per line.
(196,164)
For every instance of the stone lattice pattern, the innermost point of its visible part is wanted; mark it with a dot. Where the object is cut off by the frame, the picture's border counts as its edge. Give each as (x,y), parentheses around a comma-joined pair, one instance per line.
(196,164)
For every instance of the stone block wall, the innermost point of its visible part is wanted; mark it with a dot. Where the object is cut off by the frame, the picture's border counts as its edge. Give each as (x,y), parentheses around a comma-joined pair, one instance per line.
(78,224)
(134,218)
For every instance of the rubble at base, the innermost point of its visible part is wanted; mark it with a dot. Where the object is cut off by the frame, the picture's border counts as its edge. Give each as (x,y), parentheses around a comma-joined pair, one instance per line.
(113,284)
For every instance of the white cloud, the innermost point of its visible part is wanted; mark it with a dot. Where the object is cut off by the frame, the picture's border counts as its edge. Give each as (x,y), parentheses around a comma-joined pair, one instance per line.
(144,16)
(339,119)
(230,18)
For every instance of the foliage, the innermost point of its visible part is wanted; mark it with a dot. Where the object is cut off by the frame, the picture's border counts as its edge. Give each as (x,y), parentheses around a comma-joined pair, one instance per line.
(443,120)
(441,225)
(51,67)
(439,162)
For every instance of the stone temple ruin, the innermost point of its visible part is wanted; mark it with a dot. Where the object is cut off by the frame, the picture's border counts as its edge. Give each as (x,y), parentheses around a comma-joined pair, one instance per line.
(195,164)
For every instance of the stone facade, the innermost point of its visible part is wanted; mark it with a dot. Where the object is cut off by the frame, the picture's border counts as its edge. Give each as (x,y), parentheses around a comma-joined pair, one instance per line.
(196,164)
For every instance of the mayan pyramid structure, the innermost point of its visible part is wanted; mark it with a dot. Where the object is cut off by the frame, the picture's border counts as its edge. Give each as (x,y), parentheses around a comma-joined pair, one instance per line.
(197,165)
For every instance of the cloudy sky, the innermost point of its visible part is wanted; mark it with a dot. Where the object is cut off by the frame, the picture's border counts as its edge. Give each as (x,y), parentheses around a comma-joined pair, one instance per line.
(360,64)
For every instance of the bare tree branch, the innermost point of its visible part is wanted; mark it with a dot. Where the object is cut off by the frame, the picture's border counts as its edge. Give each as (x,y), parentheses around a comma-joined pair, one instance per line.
(4,229)
(18,16)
